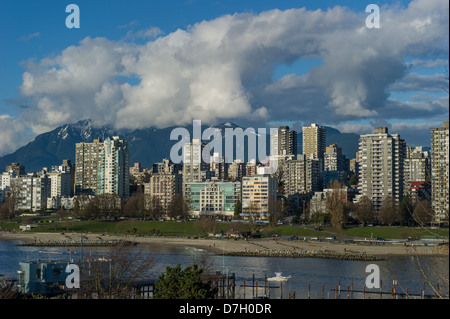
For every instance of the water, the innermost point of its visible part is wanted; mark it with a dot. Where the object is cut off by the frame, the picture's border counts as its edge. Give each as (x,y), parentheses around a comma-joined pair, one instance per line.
(314,272)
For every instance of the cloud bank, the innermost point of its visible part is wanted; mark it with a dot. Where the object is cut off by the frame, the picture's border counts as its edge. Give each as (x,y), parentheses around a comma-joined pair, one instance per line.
(223,69)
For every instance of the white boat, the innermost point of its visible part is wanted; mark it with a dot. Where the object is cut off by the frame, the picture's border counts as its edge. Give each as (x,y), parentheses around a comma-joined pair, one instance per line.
(279,278)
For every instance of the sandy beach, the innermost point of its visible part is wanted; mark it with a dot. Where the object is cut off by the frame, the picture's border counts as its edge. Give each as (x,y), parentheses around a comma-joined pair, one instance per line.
(225,246)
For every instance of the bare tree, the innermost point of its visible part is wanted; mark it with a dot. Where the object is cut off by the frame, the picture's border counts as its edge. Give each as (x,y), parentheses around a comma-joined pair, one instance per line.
(206,225)
(205,262)
(238,227)
(316,213)
(280,211)
(364,211)
(113,277)
(109,205)
(253,211)
(8,290)
(389,212)
(135,206)
(422,213)
(8,207)
(335,204)
(91,210)
(280,176)
(61,213)
(80,203)
(4,211)
(156,209)
(435,270)
(178,207)
(13,199)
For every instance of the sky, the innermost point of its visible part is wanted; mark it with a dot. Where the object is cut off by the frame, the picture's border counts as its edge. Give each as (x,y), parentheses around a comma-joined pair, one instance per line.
(139,64)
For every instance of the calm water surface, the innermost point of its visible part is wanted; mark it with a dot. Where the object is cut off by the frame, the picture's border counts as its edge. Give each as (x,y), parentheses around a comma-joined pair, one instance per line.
(314,272)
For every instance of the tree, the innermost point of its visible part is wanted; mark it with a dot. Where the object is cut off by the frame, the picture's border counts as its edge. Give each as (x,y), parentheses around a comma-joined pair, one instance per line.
(205,225)
(4,211)
(27,220)
(7,208)
(185,283)
(279,175)
(364,211)
(13,199)
(353,180)
(130,209)
(91,210)
(156,210)
(237,210)
(135,206)
(434,270)
(239,228)
(280,210)
(8,290)
(389,212)
(315,214)
(109,205)
(76,206)
(422,213)
(253,211)
(178,207)
(113,277)
(297,216)
(406,209)
(336,205)
(61,213)
(80,203)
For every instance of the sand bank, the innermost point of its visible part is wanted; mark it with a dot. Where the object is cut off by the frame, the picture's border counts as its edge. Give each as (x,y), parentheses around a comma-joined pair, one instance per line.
(231,246)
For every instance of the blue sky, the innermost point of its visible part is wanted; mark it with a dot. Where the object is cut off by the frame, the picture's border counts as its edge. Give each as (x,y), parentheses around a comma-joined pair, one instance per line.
(35,29)
(273,85)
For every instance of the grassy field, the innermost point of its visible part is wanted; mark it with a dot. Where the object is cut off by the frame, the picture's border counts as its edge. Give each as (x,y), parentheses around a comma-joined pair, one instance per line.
(362,232)
(172,228)
(132,227)
(392,232)
(292,231)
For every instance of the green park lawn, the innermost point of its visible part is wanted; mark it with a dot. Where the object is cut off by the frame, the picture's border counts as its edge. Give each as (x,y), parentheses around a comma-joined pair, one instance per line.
(172,228)
(131,227)
(393,232)
(353,232)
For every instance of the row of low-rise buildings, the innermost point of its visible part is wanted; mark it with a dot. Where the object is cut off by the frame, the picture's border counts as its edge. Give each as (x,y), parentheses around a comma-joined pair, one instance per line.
(208,195)
(101,167)
(38,190)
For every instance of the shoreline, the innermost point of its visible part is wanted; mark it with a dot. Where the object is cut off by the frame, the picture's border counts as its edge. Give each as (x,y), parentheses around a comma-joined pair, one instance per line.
(265,247)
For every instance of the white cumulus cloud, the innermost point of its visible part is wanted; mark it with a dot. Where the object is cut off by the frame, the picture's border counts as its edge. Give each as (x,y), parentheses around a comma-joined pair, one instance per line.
(223,69)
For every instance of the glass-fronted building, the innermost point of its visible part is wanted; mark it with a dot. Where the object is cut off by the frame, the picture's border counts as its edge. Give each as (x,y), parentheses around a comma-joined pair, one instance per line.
(213,198)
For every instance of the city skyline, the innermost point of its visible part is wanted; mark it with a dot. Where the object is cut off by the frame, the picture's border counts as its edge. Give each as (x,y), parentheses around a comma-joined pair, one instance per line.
(146,64)
(385,168)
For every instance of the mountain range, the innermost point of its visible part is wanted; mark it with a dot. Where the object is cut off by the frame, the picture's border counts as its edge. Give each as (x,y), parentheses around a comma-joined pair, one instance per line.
(147,146)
